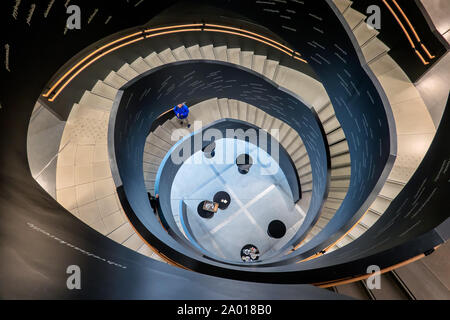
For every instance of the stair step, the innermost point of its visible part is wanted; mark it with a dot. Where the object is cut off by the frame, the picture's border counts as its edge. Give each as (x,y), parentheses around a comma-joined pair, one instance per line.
(114,80)
(344,241)
(342,5)
(140,65)
(246,59)
(326,113)
(154,151)
(269,68)
(150,168)
(195,52)
(157,141)
(307,186)
(208,52)
(181,54)
(369,218)
(339,183)
(223,108)
(391,190)
(357,231)
(258,63)
(233,55)
(383,65)
(302,162)
(342,160)
(300,152)
(321,223)
(104,90)
(353,17)
(338,148)
(307,177)
(373,49)
(166,56)
(328,213)
(291,139)
(304,170)
(337,194)
(153,60)
(149,176)
(242,111)
(335,136)
(331,124)
(164,135)
(221,53)
(127,72)
(95,101)
(233,109)
(380,204)
(251,114)
(363,34)
(344,171)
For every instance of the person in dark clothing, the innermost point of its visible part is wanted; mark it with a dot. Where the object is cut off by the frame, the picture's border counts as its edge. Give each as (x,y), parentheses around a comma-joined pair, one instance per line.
(153,202)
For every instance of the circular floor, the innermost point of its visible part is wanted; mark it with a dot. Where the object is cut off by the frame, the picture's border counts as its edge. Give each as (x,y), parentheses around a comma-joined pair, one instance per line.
(255,200)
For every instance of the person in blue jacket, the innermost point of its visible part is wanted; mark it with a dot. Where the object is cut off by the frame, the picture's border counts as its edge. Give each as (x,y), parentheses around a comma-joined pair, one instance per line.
(182,112)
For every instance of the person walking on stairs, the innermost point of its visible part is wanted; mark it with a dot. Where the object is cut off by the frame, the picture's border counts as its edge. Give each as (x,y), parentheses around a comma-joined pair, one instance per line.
(182,112)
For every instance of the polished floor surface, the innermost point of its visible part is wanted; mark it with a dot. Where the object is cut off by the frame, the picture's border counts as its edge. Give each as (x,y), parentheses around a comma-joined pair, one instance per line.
(257,198)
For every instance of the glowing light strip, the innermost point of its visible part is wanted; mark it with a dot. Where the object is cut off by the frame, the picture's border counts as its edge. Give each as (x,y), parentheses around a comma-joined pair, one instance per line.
(413,30)
(291,52)
(400,23)
(173,27)
(252,33)
(421,58)
(111,50)
(406,32)
(427,52)
(250,37)
(407,20)
(365,276)
(88,64)
(106,46)
(85,58)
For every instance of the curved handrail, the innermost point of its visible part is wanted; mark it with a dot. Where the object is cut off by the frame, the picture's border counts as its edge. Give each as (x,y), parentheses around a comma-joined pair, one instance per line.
(64,80)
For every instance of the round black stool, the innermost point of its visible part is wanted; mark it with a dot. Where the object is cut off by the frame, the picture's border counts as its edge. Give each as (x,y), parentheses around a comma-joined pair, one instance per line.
(249,253)
(223,199)
(244,163)
(204,213)
(276,229)
(209,150)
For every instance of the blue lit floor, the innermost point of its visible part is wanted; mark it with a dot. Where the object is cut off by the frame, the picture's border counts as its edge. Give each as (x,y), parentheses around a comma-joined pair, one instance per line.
(257,198)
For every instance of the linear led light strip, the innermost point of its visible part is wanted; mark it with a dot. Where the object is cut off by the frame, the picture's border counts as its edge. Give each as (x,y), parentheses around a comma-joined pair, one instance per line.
(406,32)
(100,49)
(84,59)
(365,276)
(144,36)
(250,37)
(255,34)
(413,30)
(111,50)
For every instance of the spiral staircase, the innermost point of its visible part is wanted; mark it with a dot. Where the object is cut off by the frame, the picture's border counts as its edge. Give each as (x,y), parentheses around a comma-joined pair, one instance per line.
(355,130)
